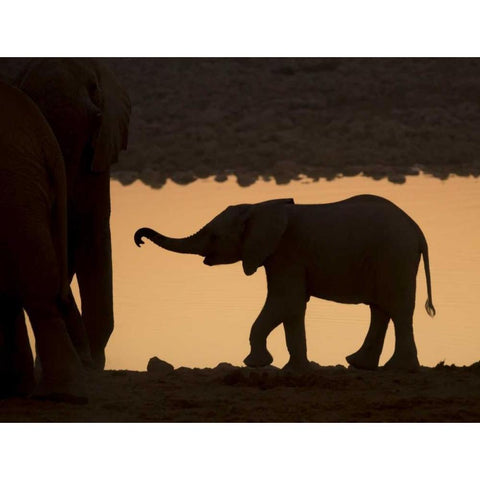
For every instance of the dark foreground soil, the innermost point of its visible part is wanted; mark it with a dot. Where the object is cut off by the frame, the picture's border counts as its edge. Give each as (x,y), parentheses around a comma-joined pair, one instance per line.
(234,394)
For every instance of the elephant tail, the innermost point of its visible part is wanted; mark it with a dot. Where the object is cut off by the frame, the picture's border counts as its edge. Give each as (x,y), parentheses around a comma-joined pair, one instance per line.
(426,263)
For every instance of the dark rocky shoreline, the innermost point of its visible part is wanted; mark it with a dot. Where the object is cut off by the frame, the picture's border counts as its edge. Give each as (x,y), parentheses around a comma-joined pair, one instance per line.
(280,118)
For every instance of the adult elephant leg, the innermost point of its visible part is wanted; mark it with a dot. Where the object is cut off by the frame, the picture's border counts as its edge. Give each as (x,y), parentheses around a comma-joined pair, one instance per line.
(23,357)
(77,333)
(76,330)
(91,250)
(405,354)
(368,355)
(16,360)
(93,267)
(62,376)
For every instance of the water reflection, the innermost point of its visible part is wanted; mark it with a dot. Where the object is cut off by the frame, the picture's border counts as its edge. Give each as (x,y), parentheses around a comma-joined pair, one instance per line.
(168,304)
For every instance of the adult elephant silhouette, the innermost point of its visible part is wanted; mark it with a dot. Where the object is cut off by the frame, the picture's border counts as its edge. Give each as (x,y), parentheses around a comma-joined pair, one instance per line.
(33,258)
(360,250)
(89,114)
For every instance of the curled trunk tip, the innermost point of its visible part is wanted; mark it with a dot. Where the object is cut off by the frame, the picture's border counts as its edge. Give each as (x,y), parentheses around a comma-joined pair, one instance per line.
(193,244)
(142,232)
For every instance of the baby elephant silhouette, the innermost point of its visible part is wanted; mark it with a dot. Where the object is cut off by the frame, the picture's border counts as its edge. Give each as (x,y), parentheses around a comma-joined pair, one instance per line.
(360,250)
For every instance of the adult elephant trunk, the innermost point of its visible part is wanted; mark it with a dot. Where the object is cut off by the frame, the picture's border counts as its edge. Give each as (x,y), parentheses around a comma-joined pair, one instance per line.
(195,244)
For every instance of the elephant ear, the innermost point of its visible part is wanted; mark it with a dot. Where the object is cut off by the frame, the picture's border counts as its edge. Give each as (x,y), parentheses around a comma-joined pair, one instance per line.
(263,230)
(113,131)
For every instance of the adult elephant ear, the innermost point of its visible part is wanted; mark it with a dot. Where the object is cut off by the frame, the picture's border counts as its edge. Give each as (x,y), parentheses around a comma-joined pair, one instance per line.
(113,132)
(264,228)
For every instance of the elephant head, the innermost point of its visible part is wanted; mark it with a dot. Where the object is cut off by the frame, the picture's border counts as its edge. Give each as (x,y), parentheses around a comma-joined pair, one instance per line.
(85,106)
(246,232)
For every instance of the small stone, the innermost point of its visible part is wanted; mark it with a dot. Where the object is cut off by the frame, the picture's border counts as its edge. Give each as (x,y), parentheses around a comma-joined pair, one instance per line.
(155,365)
(225,367)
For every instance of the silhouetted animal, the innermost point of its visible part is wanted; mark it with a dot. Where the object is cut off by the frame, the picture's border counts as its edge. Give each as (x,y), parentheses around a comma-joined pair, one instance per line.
(89,113)
(360,250)
(33,257)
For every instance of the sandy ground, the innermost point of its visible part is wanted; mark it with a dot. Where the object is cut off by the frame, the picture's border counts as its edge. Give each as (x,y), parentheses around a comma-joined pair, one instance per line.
(234,394)
(279,118)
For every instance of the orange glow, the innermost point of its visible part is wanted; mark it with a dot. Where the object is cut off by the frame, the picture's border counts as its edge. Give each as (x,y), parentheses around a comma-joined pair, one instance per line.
(186,313)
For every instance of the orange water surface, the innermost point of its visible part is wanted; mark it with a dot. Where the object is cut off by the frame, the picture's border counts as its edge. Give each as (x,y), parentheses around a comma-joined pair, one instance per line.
(172,306)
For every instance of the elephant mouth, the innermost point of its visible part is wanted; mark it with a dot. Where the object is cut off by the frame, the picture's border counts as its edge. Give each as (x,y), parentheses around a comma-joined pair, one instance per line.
(212,260)
(208,261)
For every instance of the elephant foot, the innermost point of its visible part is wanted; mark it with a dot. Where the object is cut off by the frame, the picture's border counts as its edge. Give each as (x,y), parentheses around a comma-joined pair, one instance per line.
(18,387)
(74,392)
(98,360)
(362,360)
(402,364)
(86,357)
(298,366)
(88,363)
(258,359)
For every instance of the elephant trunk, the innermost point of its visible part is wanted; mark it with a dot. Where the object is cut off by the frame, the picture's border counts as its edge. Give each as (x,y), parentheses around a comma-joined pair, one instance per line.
(194,244)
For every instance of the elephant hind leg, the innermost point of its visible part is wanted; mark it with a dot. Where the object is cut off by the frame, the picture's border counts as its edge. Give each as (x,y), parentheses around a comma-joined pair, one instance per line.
(368,356)
(16,360)
(286,303)
(62,377)
(76,330)
(405,354)
(62,373)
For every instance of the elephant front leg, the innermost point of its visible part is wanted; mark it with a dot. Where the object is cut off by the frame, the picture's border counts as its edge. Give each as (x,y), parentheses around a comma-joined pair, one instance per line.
(368,356)
(285,304)
(93,266)
(266,322)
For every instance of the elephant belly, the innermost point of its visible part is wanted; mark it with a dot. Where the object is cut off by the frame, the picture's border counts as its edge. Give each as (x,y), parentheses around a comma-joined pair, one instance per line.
(342,297)
(352,287)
